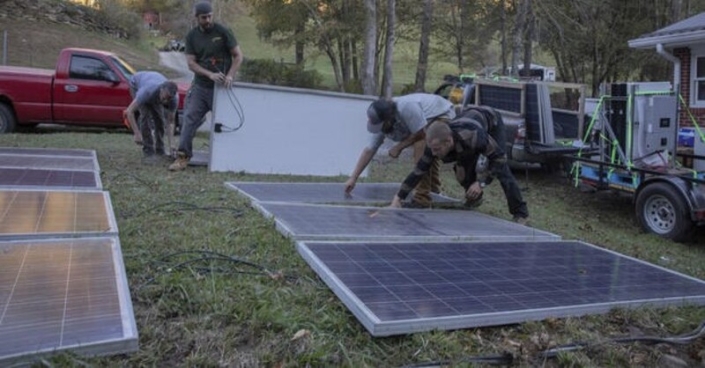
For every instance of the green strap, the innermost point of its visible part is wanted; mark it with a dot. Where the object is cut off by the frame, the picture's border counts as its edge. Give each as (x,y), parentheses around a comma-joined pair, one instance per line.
(630,123)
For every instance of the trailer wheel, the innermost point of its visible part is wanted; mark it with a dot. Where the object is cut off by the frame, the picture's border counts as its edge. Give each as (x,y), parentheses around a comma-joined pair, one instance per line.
(661,209)
(7,119)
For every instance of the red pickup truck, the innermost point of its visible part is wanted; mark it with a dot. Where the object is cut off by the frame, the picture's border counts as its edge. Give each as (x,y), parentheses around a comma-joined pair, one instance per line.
(88,88)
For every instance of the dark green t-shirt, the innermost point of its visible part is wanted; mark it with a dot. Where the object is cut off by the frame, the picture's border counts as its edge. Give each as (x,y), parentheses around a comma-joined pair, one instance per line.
(212,50)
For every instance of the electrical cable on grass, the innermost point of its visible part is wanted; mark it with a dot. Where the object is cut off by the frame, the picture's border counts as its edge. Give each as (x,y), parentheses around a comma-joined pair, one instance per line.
(210,256)
(683,339)
(506,359)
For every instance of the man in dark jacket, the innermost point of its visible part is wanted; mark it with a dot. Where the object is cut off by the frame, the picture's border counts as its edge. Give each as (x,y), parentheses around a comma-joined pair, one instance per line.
(462,143)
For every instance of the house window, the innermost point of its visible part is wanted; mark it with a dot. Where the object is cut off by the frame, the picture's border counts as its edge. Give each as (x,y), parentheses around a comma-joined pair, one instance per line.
(698,81)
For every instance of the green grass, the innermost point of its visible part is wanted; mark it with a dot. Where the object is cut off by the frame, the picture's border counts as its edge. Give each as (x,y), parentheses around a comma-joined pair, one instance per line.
(218,312)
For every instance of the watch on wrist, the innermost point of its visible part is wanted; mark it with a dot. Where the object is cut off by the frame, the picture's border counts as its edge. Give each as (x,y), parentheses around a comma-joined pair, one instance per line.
(482,184)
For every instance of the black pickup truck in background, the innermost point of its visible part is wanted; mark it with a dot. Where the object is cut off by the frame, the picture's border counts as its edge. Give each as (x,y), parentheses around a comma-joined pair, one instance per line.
(544,121)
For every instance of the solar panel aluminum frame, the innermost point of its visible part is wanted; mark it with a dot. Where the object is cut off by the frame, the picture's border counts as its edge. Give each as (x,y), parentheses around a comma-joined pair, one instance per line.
(236,187)
(284,229)
(378,328)
(64,152)
(96,176)
(130,341)
(109,213)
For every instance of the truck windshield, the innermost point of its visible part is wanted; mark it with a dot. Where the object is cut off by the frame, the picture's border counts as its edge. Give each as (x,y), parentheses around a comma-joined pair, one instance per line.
(124,67)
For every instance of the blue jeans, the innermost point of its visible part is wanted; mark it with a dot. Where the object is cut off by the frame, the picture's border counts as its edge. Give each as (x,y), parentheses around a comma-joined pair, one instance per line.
(199,101)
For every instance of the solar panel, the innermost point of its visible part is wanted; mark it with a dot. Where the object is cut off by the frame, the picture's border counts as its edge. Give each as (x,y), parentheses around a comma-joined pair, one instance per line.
(400,288)
(49,162)
(48,152)
(64,295)
(323,222)
(22,177)
(322,192)
(32,213)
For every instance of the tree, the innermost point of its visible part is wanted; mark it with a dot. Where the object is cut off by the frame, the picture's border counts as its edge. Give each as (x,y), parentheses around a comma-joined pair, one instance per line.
(518,35)
(589,39)
(369,82)
(387,80)
(422,65)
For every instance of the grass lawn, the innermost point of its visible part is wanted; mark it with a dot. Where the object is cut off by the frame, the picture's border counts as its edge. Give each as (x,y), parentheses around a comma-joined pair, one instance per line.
(217,313)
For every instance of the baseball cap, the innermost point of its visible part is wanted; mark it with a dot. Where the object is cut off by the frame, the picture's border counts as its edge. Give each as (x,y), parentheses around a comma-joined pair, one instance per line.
(379,112)
(203,7)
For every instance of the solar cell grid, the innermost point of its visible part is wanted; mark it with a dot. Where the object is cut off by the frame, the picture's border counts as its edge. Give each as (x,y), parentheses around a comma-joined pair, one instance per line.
(31,213)
(499,97)
(23,177)
(322,192)
(58,295)
(49,162)
(395,288)
(323,222)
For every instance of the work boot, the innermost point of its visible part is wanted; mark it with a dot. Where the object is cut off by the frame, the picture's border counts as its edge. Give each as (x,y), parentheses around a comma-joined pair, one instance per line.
(521,220)
(180,163)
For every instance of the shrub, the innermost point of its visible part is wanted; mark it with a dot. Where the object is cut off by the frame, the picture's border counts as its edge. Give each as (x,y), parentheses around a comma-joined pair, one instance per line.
(275,73)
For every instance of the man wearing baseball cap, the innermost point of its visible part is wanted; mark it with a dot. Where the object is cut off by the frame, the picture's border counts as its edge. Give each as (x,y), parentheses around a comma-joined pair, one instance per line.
(214,56)
(402,120)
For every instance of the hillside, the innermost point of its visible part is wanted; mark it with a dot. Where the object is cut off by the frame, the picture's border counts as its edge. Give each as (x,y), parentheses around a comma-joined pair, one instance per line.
(37,30)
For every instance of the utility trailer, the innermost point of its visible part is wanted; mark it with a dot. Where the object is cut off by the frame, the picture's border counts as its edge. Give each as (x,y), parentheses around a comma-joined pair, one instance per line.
(631,146)
(543,120)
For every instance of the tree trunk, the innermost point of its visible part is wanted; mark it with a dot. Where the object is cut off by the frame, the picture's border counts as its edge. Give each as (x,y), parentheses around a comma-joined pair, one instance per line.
(389,50)
(344,55)
(676,6)
(517,39)
(422,65)
(528,37)
(465,16)
(369,84)
(503,42)
(299,45)
(355,61)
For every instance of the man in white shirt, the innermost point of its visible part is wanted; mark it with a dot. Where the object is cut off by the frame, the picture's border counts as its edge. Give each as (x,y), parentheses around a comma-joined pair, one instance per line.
(403,120)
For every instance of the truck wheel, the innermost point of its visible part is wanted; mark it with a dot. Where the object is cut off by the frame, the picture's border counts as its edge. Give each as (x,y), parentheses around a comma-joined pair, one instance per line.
(661,209)
(7,119)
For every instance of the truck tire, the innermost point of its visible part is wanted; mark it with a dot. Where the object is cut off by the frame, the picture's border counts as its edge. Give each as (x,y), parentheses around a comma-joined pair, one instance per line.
(662,210)
(7,119)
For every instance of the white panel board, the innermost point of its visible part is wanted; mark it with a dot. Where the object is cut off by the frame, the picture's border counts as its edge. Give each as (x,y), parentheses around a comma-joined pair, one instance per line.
(288,130)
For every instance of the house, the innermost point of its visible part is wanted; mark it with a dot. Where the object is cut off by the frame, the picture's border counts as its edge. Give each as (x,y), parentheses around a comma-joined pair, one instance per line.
(683,44)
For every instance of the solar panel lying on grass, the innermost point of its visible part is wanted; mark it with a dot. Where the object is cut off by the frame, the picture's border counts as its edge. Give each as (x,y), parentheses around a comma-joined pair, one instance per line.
(56,179)
(324,222)
(399,288)
(31,213)
(60,295)
(49,162)
(322,192)
(48,152)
